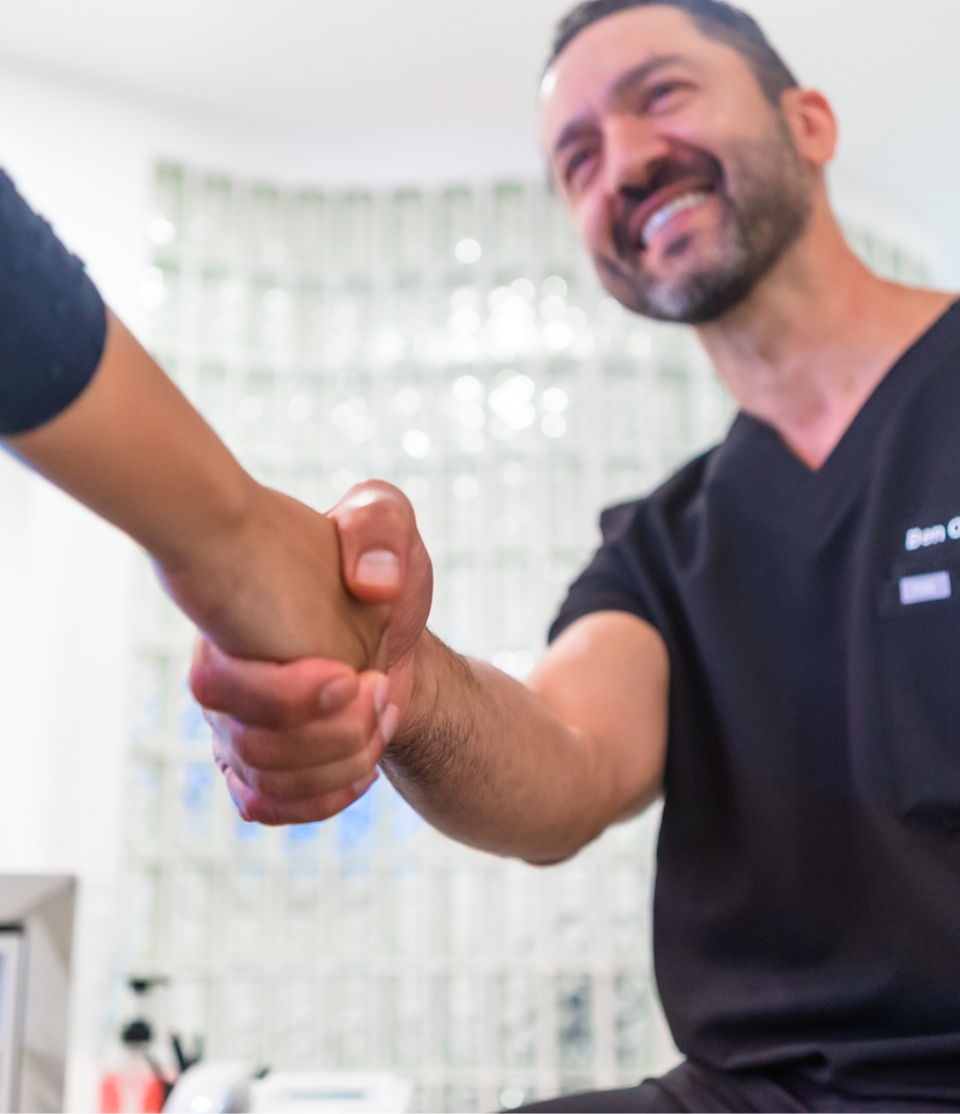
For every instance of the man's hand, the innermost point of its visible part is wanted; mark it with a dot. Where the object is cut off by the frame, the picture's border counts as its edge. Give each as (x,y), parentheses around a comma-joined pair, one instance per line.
(386,562)
(296,743)
(301,742)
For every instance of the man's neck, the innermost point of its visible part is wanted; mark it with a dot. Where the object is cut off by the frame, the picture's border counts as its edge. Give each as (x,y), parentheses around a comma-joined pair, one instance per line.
(807,349)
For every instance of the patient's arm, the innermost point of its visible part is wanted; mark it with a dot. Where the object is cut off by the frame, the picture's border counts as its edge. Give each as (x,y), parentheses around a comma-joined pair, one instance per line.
(257,571)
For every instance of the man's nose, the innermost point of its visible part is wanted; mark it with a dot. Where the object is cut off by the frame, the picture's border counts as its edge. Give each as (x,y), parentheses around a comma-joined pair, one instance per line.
(632,147)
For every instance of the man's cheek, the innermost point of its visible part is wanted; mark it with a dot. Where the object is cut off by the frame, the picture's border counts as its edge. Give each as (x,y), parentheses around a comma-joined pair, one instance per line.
(594,228)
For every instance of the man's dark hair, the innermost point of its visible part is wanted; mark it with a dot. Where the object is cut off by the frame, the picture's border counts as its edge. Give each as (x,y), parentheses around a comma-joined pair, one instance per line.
(715,20)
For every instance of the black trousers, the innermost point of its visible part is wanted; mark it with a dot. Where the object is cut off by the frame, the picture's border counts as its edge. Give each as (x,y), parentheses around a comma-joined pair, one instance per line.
(695,1089)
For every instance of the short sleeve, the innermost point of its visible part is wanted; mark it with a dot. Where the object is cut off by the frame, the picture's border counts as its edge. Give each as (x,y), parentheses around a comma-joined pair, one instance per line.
(614,580)
(53,323)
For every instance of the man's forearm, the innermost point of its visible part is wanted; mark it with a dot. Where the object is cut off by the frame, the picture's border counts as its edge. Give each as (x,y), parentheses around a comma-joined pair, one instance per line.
(482,758)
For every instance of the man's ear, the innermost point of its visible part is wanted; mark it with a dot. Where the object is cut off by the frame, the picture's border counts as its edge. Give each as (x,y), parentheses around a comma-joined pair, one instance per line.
(812,124)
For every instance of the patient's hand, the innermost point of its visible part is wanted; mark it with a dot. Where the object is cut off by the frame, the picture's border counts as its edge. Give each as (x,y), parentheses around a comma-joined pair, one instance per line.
(300,742)
(272,589)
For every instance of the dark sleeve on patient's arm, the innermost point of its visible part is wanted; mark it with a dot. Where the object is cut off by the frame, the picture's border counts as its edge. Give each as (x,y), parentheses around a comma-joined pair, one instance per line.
(53,323)
(616,579)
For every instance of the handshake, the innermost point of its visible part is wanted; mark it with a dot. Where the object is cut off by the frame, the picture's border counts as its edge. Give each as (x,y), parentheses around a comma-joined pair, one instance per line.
(314,662)
(310,627)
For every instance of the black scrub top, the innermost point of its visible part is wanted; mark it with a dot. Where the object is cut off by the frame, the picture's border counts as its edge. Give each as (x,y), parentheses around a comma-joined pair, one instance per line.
(53,323)
(807,905)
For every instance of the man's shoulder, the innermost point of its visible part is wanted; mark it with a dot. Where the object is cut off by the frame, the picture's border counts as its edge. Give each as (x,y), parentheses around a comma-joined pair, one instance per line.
(676,496)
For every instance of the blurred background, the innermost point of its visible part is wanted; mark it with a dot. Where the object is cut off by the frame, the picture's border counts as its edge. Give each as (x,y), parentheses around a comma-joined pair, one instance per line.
(330,223)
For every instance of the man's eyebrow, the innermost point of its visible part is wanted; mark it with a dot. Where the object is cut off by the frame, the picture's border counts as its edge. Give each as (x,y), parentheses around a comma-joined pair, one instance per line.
(628,81)
(584,126)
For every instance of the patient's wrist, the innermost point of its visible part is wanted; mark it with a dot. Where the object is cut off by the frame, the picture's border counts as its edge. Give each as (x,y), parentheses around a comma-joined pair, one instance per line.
(208,563)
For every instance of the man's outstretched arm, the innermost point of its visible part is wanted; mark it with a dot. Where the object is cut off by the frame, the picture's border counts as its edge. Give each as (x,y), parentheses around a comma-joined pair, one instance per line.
(535,771)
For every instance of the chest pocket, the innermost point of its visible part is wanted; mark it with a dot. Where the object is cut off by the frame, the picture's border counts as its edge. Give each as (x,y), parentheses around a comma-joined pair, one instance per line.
(919,691)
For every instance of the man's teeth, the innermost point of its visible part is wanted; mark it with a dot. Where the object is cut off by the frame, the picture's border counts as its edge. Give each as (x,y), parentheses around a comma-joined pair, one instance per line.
(668,212)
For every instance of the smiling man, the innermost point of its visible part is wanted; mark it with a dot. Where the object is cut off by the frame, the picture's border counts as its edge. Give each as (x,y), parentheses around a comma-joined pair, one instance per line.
(771,640)
(752,191)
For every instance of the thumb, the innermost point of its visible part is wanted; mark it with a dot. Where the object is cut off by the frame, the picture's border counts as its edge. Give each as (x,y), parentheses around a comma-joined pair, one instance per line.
(377,528)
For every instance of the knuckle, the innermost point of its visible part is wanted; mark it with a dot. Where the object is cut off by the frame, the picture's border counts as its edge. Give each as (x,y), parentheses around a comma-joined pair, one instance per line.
(205,679)
(242,703)
(366,763)
(282,788)
(359,771)
(328,740)
(260,783)
(374,501)
(254,813)
(239,782)
(201,685)
(246,742)
(367,491)
(354,769)
(272,788)
(355,742)
(260,811)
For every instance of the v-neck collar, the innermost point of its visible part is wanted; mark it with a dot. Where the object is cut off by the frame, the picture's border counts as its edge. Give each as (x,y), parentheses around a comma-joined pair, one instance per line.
(756,459)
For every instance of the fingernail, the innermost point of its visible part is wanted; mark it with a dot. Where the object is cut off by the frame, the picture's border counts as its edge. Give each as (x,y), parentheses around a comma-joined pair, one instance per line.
(389,722)
(381,696)
(360,787)
(379,569)
(338,693)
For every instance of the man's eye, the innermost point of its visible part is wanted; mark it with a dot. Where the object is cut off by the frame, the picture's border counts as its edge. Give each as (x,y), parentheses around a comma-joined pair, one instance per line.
(575,164)
(660,93)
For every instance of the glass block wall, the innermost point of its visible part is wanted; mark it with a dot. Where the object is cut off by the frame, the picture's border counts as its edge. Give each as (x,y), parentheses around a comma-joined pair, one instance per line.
(456,342)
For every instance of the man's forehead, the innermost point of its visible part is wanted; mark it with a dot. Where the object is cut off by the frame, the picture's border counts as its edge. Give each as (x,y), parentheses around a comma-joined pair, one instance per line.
(618,45)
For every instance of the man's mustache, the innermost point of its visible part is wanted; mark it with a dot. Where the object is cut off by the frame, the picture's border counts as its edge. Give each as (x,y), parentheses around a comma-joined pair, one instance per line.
(663,173)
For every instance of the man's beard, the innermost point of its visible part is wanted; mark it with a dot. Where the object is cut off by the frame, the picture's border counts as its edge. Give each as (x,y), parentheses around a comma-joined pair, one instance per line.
(769,214)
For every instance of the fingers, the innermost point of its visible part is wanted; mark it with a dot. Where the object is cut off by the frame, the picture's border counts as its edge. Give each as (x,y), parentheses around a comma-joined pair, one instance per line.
(377,529)
(268,695)
(254,809)
(262,748)
(324,741)
(283,787)
(309,772)
(296,743)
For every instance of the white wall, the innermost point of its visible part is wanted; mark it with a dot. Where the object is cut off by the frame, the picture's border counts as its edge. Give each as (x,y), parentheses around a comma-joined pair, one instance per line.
(83,157)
